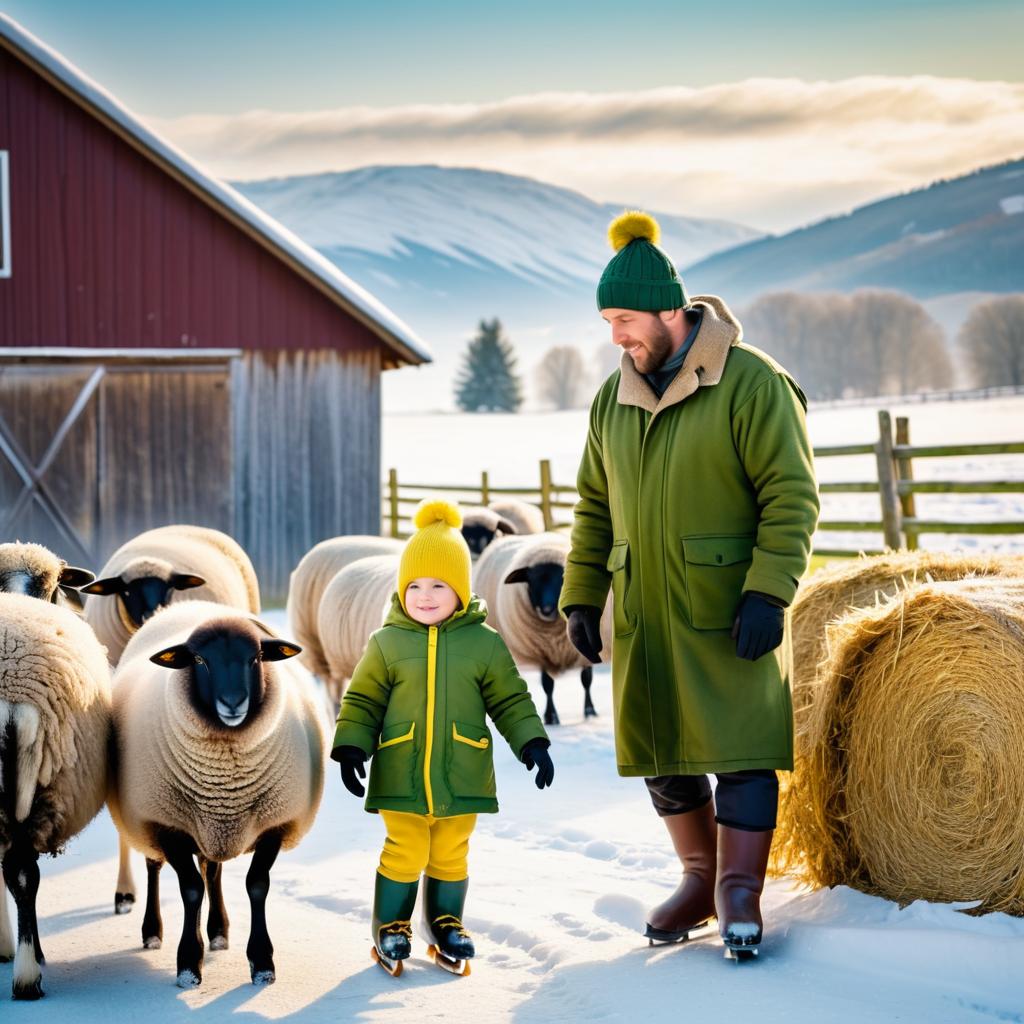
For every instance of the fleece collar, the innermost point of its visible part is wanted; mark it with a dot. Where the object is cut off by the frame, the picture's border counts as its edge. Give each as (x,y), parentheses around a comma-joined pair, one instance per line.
(703,366)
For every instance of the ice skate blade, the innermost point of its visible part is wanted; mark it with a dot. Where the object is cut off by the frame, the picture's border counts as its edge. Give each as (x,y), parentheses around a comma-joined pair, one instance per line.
(660,937)
(459,967)
(393,967)
(741,953)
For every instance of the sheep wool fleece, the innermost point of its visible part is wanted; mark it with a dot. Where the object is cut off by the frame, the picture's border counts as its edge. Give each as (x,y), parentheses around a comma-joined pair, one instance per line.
(417,703)
(686,502)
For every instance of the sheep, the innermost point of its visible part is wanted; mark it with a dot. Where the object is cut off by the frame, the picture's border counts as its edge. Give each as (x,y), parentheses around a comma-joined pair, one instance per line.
(163,565)
(310,578)
(526,518)
(55,708)
(527,617)
(219,751)
(36,571)
(480,525)
(354,604)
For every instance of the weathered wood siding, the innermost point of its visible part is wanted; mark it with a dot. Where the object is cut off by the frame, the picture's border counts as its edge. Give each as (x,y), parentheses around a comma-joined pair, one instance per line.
(307,454)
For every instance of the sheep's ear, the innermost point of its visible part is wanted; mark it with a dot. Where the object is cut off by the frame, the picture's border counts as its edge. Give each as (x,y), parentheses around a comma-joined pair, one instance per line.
(520,575)
(278,650)
(75,578)
(105,587)
(70,596)
(178,656)
(186,581)
(504,526)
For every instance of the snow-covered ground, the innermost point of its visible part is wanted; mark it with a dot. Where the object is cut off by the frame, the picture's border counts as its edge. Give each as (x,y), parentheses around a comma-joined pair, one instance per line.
(454,448)
(560,883)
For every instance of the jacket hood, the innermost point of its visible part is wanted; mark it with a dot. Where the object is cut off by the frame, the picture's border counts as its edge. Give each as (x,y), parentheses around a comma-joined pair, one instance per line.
(475,611)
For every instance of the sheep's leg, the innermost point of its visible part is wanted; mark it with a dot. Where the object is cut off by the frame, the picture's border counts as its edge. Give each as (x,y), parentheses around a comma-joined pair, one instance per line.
(260,950)
(6,935)
(550,714)
(21,873)
(124,895)
(586,678)
(217,921)
(179,849)
(152,922)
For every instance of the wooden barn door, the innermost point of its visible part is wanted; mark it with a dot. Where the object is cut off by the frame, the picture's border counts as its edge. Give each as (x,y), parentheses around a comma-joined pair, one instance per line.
(93,453)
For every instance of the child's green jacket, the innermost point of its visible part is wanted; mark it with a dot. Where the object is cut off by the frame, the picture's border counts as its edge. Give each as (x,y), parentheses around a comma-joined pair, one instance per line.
(417,704)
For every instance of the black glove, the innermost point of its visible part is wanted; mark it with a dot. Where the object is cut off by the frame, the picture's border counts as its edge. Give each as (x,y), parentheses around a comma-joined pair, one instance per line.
(352,761)
(584,629)
(759,625)
(536,753)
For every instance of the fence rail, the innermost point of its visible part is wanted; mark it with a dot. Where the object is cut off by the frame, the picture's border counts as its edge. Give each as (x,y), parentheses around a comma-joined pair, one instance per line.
(894,455)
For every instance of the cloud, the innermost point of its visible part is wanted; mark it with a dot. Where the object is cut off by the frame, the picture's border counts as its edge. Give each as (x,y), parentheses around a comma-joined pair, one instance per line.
(770,151)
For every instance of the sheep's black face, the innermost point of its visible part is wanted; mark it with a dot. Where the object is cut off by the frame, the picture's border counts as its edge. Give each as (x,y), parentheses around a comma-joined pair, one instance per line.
(226,662)
(544,585)
(477,538)
(144,596)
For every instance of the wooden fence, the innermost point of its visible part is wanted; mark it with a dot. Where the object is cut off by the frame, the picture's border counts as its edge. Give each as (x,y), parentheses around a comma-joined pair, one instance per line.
(894,456)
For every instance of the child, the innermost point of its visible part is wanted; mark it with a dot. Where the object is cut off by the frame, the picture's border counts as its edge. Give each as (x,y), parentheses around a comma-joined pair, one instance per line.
(416,702)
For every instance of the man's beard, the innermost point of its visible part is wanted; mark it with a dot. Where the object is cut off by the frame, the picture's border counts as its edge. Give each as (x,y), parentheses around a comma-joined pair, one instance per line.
(657,348)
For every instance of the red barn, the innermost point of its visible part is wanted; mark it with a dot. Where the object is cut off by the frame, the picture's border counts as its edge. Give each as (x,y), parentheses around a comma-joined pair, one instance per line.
(169,352)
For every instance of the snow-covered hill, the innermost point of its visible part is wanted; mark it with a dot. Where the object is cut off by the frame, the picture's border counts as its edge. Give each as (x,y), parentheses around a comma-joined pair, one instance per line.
(447,247)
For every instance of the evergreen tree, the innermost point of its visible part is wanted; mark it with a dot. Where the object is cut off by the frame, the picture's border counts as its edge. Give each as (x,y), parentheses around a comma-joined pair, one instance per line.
(487,380)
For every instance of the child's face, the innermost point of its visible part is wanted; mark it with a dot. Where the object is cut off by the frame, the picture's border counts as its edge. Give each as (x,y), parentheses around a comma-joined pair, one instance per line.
(430,601)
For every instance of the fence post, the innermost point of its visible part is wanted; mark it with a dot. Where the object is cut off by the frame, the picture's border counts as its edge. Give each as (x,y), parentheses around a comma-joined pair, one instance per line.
(485,488)
(545,493)
(887,492)
(393,499)
(905,471)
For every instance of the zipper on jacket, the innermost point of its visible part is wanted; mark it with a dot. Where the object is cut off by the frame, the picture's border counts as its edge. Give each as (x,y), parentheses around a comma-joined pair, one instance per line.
(431,685)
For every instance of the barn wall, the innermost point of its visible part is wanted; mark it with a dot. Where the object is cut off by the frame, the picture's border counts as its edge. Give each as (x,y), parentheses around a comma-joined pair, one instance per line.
(110,251)
(307,454)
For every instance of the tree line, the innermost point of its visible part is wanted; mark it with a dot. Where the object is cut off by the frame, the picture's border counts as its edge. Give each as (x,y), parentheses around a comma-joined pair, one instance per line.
(867,343)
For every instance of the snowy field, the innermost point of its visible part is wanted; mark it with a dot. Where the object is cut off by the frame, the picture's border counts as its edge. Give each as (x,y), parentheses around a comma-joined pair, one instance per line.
(560,883)
(454,448)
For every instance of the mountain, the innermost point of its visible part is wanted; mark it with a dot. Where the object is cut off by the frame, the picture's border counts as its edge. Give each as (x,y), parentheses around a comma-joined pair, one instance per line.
(447,247)
(963,235)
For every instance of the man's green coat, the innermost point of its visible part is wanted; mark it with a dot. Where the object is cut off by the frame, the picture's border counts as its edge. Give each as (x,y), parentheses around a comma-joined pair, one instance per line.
(417,703)
(686,502)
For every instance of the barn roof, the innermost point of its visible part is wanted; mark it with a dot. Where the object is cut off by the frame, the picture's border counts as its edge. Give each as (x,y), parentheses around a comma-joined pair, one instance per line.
(399,338)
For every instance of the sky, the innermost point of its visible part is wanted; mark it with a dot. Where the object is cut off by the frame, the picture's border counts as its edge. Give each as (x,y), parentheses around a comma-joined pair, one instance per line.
(773,115)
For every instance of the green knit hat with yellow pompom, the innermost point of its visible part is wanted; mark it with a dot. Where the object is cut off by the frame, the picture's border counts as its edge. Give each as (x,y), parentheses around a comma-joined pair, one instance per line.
(639,275)
(437,549)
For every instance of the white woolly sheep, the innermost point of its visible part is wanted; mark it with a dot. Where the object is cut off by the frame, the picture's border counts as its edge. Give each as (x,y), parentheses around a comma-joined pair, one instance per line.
(526,518)
(54,738)
(527,616)
(480,525)
(36,571)
(170,563)
(354,604)
(309,580)
(220,751)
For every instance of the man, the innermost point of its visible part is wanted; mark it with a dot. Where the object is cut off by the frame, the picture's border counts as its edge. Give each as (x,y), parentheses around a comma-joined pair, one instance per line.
(697,505)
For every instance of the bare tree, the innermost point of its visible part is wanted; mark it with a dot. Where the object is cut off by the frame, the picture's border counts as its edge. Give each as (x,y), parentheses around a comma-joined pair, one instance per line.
(562,379)
(992,340)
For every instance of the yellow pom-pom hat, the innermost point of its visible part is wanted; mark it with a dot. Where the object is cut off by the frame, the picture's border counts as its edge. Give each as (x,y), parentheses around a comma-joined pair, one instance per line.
(437,549)
(639,275)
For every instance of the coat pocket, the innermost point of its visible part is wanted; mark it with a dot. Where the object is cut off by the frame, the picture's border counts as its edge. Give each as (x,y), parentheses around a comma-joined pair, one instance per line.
(470,764)
(393,770)
(618,566)
(715,570)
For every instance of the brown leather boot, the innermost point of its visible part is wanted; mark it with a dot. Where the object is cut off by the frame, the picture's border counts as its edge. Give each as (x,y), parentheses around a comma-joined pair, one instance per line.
(742,863)
(694,835)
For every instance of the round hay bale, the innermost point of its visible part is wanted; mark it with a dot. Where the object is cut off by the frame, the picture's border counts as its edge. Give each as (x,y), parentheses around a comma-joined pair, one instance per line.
(862,582)
(909,777)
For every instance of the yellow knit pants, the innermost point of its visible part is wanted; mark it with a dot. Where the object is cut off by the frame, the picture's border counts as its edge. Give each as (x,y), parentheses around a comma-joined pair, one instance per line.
(420,842)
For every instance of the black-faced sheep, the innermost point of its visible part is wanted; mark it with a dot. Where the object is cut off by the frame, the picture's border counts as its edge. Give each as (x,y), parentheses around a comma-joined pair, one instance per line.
(220,751)
(36,571)
(482,525)
(54,739)
(353,605)
(159,566)
(520,578)
(308,582)
(526,518)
